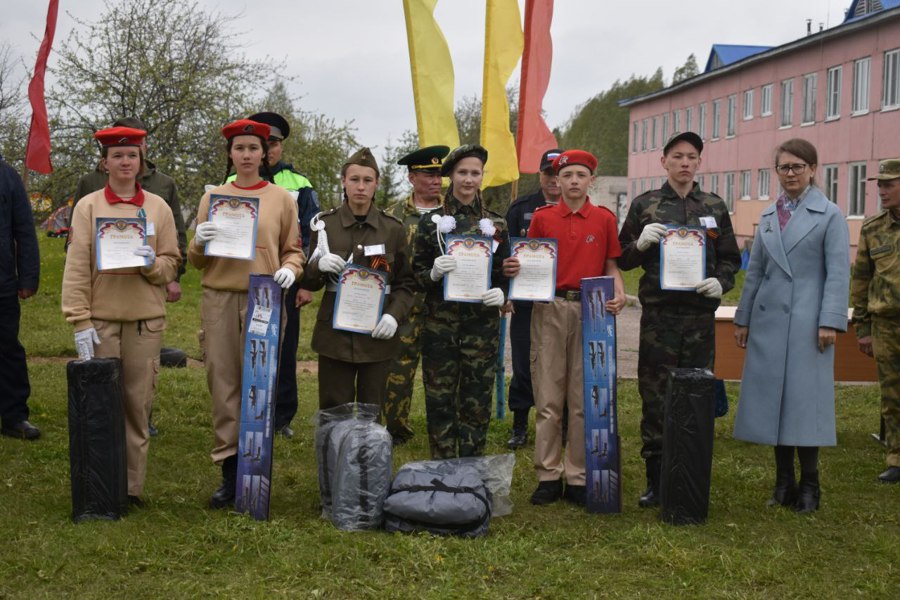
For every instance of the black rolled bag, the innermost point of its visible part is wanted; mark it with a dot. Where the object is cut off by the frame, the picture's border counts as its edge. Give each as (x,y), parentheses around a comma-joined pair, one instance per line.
(97,465)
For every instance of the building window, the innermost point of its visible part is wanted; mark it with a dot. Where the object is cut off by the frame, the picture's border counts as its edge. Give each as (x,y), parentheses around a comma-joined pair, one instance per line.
(765,101)
(731,125)
(689,119)
(701,117)
(715,119)
(833,94)
(634,188)
(890,97)
(644,135)
(643,185)
(714,184)
(856,199)
(634,136)
(701,181)
(653,134)
(810,84)
(787,102)
(665,127)
(729,191)
(748,105)
(763,183)
(745,185)
(861,86)
(831,182)
(676,121)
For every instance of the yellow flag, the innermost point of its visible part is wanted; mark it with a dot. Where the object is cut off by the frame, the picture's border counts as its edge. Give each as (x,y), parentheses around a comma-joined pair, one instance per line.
(503,44)
(432,75)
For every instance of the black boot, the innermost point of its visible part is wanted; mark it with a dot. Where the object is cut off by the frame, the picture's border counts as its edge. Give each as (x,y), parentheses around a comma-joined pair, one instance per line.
(808,495)
(519,437)
(650,497)
(785,493)
(223,497)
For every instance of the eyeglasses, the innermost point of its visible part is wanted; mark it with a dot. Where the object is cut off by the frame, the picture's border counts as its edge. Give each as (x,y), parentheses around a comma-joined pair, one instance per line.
(796,169)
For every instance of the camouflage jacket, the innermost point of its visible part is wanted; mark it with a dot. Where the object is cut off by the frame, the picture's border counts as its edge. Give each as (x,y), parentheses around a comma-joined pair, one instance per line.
(406,212)
(875,287)
(467,218)
(664,205)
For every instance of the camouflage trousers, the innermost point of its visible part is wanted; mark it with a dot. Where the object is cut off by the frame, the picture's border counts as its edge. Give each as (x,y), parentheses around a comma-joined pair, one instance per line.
(669,339)
(398,398)
(459,357)
(886,343)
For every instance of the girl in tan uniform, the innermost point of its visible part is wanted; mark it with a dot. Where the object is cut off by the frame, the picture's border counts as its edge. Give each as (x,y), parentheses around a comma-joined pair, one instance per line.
(226,280)
(121,312)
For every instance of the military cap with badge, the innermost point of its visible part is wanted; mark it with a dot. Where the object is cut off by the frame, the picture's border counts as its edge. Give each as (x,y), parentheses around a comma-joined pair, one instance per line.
(887,169)
(428,158)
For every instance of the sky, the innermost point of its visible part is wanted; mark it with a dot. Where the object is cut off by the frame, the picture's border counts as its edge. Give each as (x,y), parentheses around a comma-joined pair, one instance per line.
(350,61)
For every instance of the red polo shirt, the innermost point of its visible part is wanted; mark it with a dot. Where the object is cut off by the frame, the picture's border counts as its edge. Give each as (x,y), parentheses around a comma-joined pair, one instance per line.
(586,239)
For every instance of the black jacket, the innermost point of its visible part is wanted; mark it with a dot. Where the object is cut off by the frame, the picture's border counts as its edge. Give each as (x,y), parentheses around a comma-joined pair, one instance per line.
(20,264)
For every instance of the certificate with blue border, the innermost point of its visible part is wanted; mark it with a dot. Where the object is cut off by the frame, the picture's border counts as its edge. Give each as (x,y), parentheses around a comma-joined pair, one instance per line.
(536,281)
(682,258)
(237,218)
(115,243)
(472,276)
(360,299)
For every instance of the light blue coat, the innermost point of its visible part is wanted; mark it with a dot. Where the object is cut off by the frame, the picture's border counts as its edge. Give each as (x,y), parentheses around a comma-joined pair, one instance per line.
(797,281)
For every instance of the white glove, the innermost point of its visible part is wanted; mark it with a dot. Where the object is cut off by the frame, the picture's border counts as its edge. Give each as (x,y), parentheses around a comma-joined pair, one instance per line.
(84,343)
(332,263)
(205,232)
(146,251)
(442,265)
(652,233)
(710,287)
(386,328)
(284,277)
(493,297)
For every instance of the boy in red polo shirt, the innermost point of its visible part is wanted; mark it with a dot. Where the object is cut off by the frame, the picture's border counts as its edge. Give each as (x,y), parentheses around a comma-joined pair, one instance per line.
(587,237)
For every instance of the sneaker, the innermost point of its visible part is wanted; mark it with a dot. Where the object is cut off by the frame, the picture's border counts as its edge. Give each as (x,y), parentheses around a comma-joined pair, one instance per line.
(547,492)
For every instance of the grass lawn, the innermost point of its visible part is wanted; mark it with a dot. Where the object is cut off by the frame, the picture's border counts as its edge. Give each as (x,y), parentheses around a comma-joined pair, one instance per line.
(177,548)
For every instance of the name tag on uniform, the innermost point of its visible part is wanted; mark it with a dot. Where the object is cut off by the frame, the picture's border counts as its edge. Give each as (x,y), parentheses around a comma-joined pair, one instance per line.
(374,250)
(528,216)
(708,222)
(151,228)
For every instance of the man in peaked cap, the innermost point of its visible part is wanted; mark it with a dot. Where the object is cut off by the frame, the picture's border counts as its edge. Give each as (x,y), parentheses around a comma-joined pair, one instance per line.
(424,166)
(285,175)
(876,314)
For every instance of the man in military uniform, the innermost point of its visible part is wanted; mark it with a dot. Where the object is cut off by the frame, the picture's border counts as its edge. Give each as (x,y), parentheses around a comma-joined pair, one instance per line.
(677,327)
(424,175)
(354,366)
(874,291)
(286,176)
(518,219)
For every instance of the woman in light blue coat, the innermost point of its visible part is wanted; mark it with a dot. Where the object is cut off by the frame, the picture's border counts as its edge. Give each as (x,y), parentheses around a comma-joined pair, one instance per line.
(793,303)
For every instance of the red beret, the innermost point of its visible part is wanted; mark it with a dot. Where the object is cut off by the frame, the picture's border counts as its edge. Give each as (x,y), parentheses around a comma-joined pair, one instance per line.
(120,136)
(575,157)
(246,127)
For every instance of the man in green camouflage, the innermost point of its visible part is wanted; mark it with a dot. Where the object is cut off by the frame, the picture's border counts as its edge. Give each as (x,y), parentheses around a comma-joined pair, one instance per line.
(677,327)
(875,293)
(424,175)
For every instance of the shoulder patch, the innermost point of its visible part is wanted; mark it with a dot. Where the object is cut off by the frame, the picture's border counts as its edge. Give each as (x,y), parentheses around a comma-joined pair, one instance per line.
(874,218)
(385,213)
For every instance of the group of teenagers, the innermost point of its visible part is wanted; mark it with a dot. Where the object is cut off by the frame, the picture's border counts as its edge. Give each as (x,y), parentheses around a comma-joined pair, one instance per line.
(787,399)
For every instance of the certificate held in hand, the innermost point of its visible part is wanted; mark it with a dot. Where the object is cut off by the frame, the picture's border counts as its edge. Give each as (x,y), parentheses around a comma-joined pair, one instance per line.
(236,218)
(360,299)
(536,280)
(116,241)
(472,276)
(682,258)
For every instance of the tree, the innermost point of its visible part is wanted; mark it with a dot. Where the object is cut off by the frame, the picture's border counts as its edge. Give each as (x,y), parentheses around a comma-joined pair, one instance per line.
(13,132)
(687,70)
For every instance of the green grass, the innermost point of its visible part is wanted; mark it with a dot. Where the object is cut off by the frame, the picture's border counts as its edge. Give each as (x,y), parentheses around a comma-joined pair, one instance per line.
(177,548)
(732,298)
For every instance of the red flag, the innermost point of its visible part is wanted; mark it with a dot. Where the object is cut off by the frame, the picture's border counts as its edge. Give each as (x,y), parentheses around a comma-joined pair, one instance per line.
(37,152)
(534,137)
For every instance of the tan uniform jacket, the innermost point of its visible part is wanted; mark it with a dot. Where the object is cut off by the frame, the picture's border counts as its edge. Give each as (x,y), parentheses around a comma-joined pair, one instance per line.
(123,294)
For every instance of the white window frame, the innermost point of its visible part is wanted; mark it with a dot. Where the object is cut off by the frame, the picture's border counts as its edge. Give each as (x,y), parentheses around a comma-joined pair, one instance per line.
(862,69)
(689,118)
(731,120)
(856,188)
(832,182)
(643,185)
(810,90)
(716,118)
(787,103)
(701,121)
(634,136)
(729,191)
(665,127)
(644,125)
(653,130)
(765,100)
(764,183)
(748,104)
(714,184)
(701,181)
(676,121)
(634,184)
(746,181)
(833,93)
(890,80)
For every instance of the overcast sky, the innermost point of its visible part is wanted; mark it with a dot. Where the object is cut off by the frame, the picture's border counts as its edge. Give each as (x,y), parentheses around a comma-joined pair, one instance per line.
(350,58)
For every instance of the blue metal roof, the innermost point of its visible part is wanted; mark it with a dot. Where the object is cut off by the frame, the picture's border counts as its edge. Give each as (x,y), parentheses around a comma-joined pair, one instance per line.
(725,54)
(860,9)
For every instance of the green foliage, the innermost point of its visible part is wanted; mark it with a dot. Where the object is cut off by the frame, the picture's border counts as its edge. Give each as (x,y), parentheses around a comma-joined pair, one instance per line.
(687,70)
(13,133)
(600,125)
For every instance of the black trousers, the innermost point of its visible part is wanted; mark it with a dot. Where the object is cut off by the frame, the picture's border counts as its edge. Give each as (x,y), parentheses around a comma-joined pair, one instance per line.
(286,394)
(14,386)
(521,396)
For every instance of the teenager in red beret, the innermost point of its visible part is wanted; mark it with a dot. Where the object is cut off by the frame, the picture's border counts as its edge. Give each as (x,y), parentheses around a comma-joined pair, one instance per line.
(226,280)
(121,312)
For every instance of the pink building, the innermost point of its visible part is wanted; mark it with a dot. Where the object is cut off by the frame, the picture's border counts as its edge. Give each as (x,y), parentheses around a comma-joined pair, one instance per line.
(838,88)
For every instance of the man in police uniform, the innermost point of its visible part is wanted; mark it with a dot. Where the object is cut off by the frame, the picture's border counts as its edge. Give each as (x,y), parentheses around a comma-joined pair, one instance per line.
(290,179)
(874,291)
(518,219)
(354,366)
(424,175)
(677,327)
